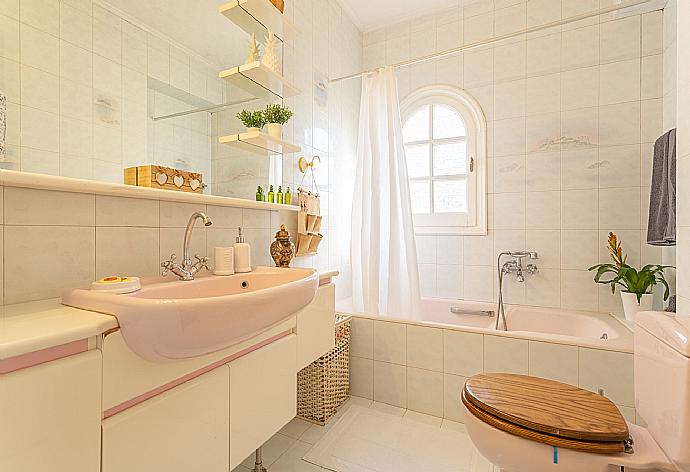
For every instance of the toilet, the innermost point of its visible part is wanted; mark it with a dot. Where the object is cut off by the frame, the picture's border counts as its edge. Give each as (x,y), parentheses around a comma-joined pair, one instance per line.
(528,424)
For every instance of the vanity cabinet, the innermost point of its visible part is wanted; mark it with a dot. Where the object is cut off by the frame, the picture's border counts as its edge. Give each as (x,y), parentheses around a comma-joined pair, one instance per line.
(263,396)
(315,327)
(51,416)
(181,430)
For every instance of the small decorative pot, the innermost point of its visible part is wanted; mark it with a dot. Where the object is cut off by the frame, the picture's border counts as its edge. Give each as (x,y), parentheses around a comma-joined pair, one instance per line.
(279,4)
(631,307)
(282,249)
(275,130)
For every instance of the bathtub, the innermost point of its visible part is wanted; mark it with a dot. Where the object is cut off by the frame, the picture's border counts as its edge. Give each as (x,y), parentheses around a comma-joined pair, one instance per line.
(595,330)
(422,364)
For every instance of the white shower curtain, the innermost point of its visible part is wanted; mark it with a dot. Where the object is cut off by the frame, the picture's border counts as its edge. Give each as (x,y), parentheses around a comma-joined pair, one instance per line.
(385,278)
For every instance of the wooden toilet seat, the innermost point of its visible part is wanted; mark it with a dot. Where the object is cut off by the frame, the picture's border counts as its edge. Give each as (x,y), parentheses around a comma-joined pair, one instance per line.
(546,411)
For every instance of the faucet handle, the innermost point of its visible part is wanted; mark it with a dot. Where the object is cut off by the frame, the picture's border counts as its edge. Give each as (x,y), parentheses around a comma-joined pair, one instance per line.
(202,262)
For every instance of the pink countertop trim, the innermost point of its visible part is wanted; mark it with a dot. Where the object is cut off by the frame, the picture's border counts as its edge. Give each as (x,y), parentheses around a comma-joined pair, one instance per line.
(186,378)
(31,359)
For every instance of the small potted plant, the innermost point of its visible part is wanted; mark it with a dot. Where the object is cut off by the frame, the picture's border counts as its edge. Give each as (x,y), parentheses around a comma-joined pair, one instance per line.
(253,120)
(636,285)
(275,117)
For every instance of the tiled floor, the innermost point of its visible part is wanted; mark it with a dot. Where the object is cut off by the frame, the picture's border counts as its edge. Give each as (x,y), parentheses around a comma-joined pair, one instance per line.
(285,450)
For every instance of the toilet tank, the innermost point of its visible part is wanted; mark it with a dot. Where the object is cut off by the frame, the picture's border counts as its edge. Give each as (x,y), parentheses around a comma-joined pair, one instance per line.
(662,382)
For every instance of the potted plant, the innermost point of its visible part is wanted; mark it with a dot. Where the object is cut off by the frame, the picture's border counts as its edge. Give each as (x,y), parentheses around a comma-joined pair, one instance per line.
(275,117)
(253,120)
(636,285)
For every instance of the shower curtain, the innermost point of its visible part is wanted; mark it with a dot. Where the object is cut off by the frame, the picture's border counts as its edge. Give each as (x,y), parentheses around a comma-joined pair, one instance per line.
(385,278)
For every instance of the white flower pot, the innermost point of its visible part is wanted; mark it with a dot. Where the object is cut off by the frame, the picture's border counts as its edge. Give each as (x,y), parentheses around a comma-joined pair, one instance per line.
(275,130)
(631,307)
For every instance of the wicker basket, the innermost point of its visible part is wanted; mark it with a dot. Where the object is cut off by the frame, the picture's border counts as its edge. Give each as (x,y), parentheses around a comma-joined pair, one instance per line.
(324,385)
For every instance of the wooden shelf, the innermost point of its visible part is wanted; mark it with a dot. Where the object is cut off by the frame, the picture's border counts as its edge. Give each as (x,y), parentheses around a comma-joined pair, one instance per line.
(259,80)
(258,142)
(255,16)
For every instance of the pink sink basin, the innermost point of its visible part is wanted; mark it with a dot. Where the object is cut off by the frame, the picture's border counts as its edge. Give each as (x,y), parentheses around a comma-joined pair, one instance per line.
(169,319)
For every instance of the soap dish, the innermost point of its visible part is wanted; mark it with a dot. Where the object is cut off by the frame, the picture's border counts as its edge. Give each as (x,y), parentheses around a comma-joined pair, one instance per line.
(117,285)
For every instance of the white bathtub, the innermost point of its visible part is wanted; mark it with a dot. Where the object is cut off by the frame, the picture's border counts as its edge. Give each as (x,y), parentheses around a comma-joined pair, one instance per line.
(595,330)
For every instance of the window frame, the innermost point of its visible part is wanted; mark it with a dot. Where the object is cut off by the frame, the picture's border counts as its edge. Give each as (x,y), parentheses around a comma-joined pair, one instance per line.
(474,222)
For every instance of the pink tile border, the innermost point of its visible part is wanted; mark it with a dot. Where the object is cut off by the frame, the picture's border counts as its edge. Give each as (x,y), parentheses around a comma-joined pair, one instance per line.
(325,281)
(44,355)
(177,382)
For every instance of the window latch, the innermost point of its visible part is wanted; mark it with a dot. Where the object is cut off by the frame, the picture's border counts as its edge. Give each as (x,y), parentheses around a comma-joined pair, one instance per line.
(471,164)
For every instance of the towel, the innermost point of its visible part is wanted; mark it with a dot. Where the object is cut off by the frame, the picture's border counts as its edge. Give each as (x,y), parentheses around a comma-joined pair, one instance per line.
(661,230)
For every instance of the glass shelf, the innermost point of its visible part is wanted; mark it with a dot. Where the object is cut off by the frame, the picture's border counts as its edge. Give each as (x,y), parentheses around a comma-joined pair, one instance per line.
(259,143)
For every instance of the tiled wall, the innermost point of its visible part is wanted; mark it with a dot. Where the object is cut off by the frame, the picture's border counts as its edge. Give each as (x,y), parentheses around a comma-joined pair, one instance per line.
(53,241)
(683,198)
(424,369)
(76,76)
(598,81)
(82,82)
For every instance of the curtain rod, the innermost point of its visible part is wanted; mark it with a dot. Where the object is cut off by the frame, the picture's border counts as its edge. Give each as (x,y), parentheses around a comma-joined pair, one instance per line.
(477,44)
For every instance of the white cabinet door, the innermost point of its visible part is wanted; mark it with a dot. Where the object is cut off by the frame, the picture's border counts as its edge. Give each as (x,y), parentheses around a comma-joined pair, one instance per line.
(316,327)
(182,430)
(50,416)
(263,396)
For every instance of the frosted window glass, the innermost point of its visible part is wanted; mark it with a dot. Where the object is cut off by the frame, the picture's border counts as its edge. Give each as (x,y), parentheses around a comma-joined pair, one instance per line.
(448,123)
(417,126)
(417,160)
(420,193)
(450,196)
(450,159)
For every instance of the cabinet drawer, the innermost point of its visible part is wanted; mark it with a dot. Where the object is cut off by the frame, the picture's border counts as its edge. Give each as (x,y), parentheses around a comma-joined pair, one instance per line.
(263,396)
(180,430)
(315,325)
(50,416)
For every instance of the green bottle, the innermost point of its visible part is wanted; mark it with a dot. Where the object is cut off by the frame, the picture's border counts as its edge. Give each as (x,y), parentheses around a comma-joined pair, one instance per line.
(271,195)
(288,197)
(279,195)
(259,194)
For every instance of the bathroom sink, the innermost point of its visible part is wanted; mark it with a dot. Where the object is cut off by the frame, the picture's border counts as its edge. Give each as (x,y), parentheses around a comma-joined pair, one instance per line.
(170,319)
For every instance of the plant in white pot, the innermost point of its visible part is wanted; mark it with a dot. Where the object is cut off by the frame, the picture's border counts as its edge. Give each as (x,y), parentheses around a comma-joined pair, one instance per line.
(253,120)
(636,285)
(275,117)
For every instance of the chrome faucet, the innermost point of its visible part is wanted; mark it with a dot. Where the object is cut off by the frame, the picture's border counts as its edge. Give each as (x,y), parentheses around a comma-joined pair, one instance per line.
(187,270)
(513,266)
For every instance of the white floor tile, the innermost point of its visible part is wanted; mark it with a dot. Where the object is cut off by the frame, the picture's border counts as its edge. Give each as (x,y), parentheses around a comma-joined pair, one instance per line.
(388,409)
(380,439)
(454,425)
(272,450)
(292,460)
(416,417)
(295,428)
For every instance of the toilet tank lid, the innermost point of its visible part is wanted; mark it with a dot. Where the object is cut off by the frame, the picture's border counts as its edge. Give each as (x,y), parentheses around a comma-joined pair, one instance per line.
(668,328)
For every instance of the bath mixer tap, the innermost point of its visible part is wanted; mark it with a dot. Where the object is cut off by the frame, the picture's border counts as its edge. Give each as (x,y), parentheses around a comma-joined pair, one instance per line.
(513,266)
(188,269)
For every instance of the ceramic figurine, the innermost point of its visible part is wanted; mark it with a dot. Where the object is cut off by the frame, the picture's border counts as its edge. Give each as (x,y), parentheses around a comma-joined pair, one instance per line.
(282,249)
(271,59)
(253,53)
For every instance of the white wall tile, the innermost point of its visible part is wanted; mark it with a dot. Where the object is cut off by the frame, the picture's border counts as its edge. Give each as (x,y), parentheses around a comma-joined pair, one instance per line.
(554,361)
(619,82)
(390,384)
(41,261)
(43,207)
(463,353)
(362,340)
(502,354)
(140,245)
(361,377)
(390,342)
(452,403)
(620,39)
(610,371)
(425,348)
(425,391)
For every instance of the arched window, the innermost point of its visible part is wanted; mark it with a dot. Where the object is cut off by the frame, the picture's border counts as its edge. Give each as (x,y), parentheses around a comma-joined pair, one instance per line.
(444,130)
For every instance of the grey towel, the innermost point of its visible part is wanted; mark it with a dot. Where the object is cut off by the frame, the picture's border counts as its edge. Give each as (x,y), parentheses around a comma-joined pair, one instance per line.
(661,230)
